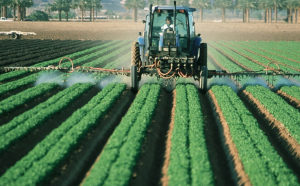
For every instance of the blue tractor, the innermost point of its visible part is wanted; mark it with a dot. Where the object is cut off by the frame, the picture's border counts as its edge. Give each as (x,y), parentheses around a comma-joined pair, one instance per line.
(169,47)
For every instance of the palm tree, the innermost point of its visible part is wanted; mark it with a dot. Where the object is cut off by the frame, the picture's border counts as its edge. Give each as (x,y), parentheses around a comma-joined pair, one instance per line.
(292,6)
(135,5)
(3,5)
(201,4)
(93,5)
(21,8)
(223,4)
(246,5)
(82,5)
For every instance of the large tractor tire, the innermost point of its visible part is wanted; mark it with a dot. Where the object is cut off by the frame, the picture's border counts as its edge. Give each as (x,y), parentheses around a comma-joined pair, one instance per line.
(203,79)
(203,55)
(135,64)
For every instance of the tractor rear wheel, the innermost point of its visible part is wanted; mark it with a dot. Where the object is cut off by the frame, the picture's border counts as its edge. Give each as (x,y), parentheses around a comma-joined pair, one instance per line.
(203,79)
(203,54)
(135,64)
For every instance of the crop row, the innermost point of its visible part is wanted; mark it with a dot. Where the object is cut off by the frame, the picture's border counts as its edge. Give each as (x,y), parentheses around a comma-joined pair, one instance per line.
(120,154)
(24,123)
(285,113)
(46,156)
(32,78)
(24,97)
(55,61)
(223,62)
(270,55)
(189,162)
(293,91)
(29,59)
(236,57)
(278,48)
(256,55)
(43,49)
(254,158)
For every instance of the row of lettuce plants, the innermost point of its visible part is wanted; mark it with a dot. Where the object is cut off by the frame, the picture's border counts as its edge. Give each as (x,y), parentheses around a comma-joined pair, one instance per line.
(25,96)
(242,60)
(120,154)
(24,123)
(259,56)
(41,161)
(55,61)
(189,161)
(293,91)
(279,108)
(260,161)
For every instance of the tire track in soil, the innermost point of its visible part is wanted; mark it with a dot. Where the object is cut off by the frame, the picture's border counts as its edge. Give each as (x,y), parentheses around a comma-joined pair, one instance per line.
(279,144)
(7,116)
(216,153)
(74,169)
(148,170)
(27,143)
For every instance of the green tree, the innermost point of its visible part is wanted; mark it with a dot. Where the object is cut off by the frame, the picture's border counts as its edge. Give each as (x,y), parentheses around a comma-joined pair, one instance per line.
(62,5)
(223,4)
(93,5)
(201,5)
(246,5)
(82,5)
(3,5)
(292,7)
(135,5)
(21,8)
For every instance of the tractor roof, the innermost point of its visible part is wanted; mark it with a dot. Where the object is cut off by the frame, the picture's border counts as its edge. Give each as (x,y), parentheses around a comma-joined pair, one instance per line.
(188,9)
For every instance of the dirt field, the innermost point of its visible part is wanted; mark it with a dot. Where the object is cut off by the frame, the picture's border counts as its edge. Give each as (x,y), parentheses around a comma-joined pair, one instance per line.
(123,30)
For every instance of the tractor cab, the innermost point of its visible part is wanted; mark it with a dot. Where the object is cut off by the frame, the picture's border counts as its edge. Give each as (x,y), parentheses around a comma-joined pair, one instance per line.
(171,34)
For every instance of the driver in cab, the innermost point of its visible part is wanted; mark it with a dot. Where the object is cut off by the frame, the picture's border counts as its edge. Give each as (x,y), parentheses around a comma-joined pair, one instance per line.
(168,24)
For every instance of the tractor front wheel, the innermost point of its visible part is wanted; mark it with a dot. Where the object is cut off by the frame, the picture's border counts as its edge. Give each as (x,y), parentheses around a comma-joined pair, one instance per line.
(135,64)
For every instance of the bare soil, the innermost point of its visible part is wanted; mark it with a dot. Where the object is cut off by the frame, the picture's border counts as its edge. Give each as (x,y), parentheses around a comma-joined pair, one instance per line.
(128,30)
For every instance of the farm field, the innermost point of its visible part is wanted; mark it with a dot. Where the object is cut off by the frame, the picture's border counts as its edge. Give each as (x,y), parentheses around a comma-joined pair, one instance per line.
(91,129)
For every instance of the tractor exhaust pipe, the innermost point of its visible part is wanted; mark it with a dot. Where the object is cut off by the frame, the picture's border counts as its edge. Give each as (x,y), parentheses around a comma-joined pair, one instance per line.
(174,16)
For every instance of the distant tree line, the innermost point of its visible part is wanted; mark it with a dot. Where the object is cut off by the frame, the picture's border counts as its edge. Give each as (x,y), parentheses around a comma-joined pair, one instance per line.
(270,7)
(18,7)
(93,6)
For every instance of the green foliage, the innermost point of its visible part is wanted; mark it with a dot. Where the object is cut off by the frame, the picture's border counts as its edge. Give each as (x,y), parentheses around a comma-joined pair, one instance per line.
(39,16)
(285,113)
(46,155)
(261,162)
(24,123)
(130,4)
(120,153)
(25,96)
(11,86)
(189,162)
(293,91)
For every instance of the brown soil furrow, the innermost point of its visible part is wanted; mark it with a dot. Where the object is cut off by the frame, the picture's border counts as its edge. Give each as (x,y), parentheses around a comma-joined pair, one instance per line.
(241,175)
(290,99)
(165,179)
(231,58)
(217,156)
(282,131)
(148,169)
